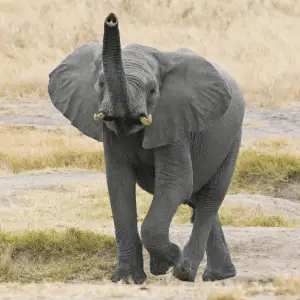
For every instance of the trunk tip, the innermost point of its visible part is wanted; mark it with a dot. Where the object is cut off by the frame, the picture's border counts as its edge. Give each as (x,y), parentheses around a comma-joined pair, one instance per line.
(111,20)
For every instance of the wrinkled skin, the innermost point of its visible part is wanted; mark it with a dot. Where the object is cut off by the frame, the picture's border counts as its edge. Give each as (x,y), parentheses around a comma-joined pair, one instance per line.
(194,169)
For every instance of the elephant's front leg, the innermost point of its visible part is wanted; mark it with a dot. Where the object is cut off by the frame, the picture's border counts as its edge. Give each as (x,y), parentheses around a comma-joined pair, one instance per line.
(173,185)
(121,186)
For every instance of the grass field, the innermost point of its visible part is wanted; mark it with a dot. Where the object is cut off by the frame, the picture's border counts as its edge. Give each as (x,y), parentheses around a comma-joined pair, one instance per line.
(86,205)
(36,246)
(264,165)
(254,40)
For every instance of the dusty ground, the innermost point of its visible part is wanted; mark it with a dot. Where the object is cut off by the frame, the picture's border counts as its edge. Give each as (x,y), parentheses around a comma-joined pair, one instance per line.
(258,122)
(260,254)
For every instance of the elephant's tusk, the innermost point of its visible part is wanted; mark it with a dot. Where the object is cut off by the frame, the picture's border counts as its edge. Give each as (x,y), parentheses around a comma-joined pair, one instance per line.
(98,117)
(146,121)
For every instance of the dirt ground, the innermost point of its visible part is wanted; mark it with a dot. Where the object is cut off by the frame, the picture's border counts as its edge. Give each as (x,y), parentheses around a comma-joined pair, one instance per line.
(258,122)
(260,254)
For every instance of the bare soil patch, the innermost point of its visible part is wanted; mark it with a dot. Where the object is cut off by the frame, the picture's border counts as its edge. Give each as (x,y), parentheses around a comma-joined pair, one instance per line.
(258,123)
(271,122)
(170,291)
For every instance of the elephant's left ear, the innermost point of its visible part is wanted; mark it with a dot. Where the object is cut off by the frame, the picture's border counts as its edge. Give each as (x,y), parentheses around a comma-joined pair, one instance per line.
(193,96)
(73,88)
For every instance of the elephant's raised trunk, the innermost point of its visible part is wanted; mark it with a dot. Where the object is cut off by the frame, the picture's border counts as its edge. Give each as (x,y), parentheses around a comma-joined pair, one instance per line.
(115,76)
(113,66)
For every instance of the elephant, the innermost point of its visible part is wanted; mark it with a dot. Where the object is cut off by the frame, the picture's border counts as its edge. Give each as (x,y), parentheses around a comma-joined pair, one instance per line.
(171,123)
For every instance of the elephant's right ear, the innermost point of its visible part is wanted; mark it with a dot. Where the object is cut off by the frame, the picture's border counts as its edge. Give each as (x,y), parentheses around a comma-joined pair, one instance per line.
(72,89)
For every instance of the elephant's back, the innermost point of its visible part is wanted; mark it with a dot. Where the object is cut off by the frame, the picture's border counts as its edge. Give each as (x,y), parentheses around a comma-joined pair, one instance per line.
(231,122)
(224,132)
(232,87)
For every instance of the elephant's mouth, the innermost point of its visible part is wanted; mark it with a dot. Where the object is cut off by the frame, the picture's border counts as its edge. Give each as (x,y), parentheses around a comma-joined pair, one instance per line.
(142,119)
(124,125)
(127,121)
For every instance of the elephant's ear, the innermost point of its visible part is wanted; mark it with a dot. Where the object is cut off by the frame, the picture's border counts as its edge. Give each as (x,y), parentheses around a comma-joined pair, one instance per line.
(193,96)
(73,88)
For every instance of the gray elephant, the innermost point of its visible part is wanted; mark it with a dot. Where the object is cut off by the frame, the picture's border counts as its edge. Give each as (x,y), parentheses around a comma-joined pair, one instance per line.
(170,122)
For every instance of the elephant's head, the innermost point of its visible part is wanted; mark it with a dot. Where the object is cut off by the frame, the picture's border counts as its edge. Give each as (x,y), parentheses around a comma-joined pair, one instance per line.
(128,83)
(168,94)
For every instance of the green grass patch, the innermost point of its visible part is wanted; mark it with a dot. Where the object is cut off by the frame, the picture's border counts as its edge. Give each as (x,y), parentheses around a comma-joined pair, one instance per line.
(264,173)
(50,255)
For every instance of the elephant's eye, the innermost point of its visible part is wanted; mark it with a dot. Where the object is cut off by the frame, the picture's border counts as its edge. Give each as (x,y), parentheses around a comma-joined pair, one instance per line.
(101,85)
(152,91)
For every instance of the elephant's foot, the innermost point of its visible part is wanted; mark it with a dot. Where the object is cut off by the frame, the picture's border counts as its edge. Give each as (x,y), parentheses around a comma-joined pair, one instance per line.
(184,271)
(138,275)
(213,273)
(161,263)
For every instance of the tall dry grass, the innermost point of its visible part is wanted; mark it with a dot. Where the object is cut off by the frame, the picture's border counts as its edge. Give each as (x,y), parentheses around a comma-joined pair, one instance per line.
(256,40)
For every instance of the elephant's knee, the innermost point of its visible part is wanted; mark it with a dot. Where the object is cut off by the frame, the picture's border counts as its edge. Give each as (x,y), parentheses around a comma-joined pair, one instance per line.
(148,233)
(153,235)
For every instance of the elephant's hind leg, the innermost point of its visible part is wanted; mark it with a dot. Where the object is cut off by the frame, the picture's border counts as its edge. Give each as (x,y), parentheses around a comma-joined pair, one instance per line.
(219,265)
(207,205)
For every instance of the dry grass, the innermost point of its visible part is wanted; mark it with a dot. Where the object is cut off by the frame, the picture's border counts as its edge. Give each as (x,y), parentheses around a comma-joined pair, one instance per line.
(255,40)
(26,148)
(64,206)
(252,216)
(287,285)
(77,205)
(35,256)
(275,144)
(228,293)
(86,206)
(230,214)
(264,166)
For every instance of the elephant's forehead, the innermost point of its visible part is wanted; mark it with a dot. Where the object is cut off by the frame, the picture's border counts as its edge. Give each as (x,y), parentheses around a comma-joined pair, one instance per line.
(137,69)
(132,63)
(138,66)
